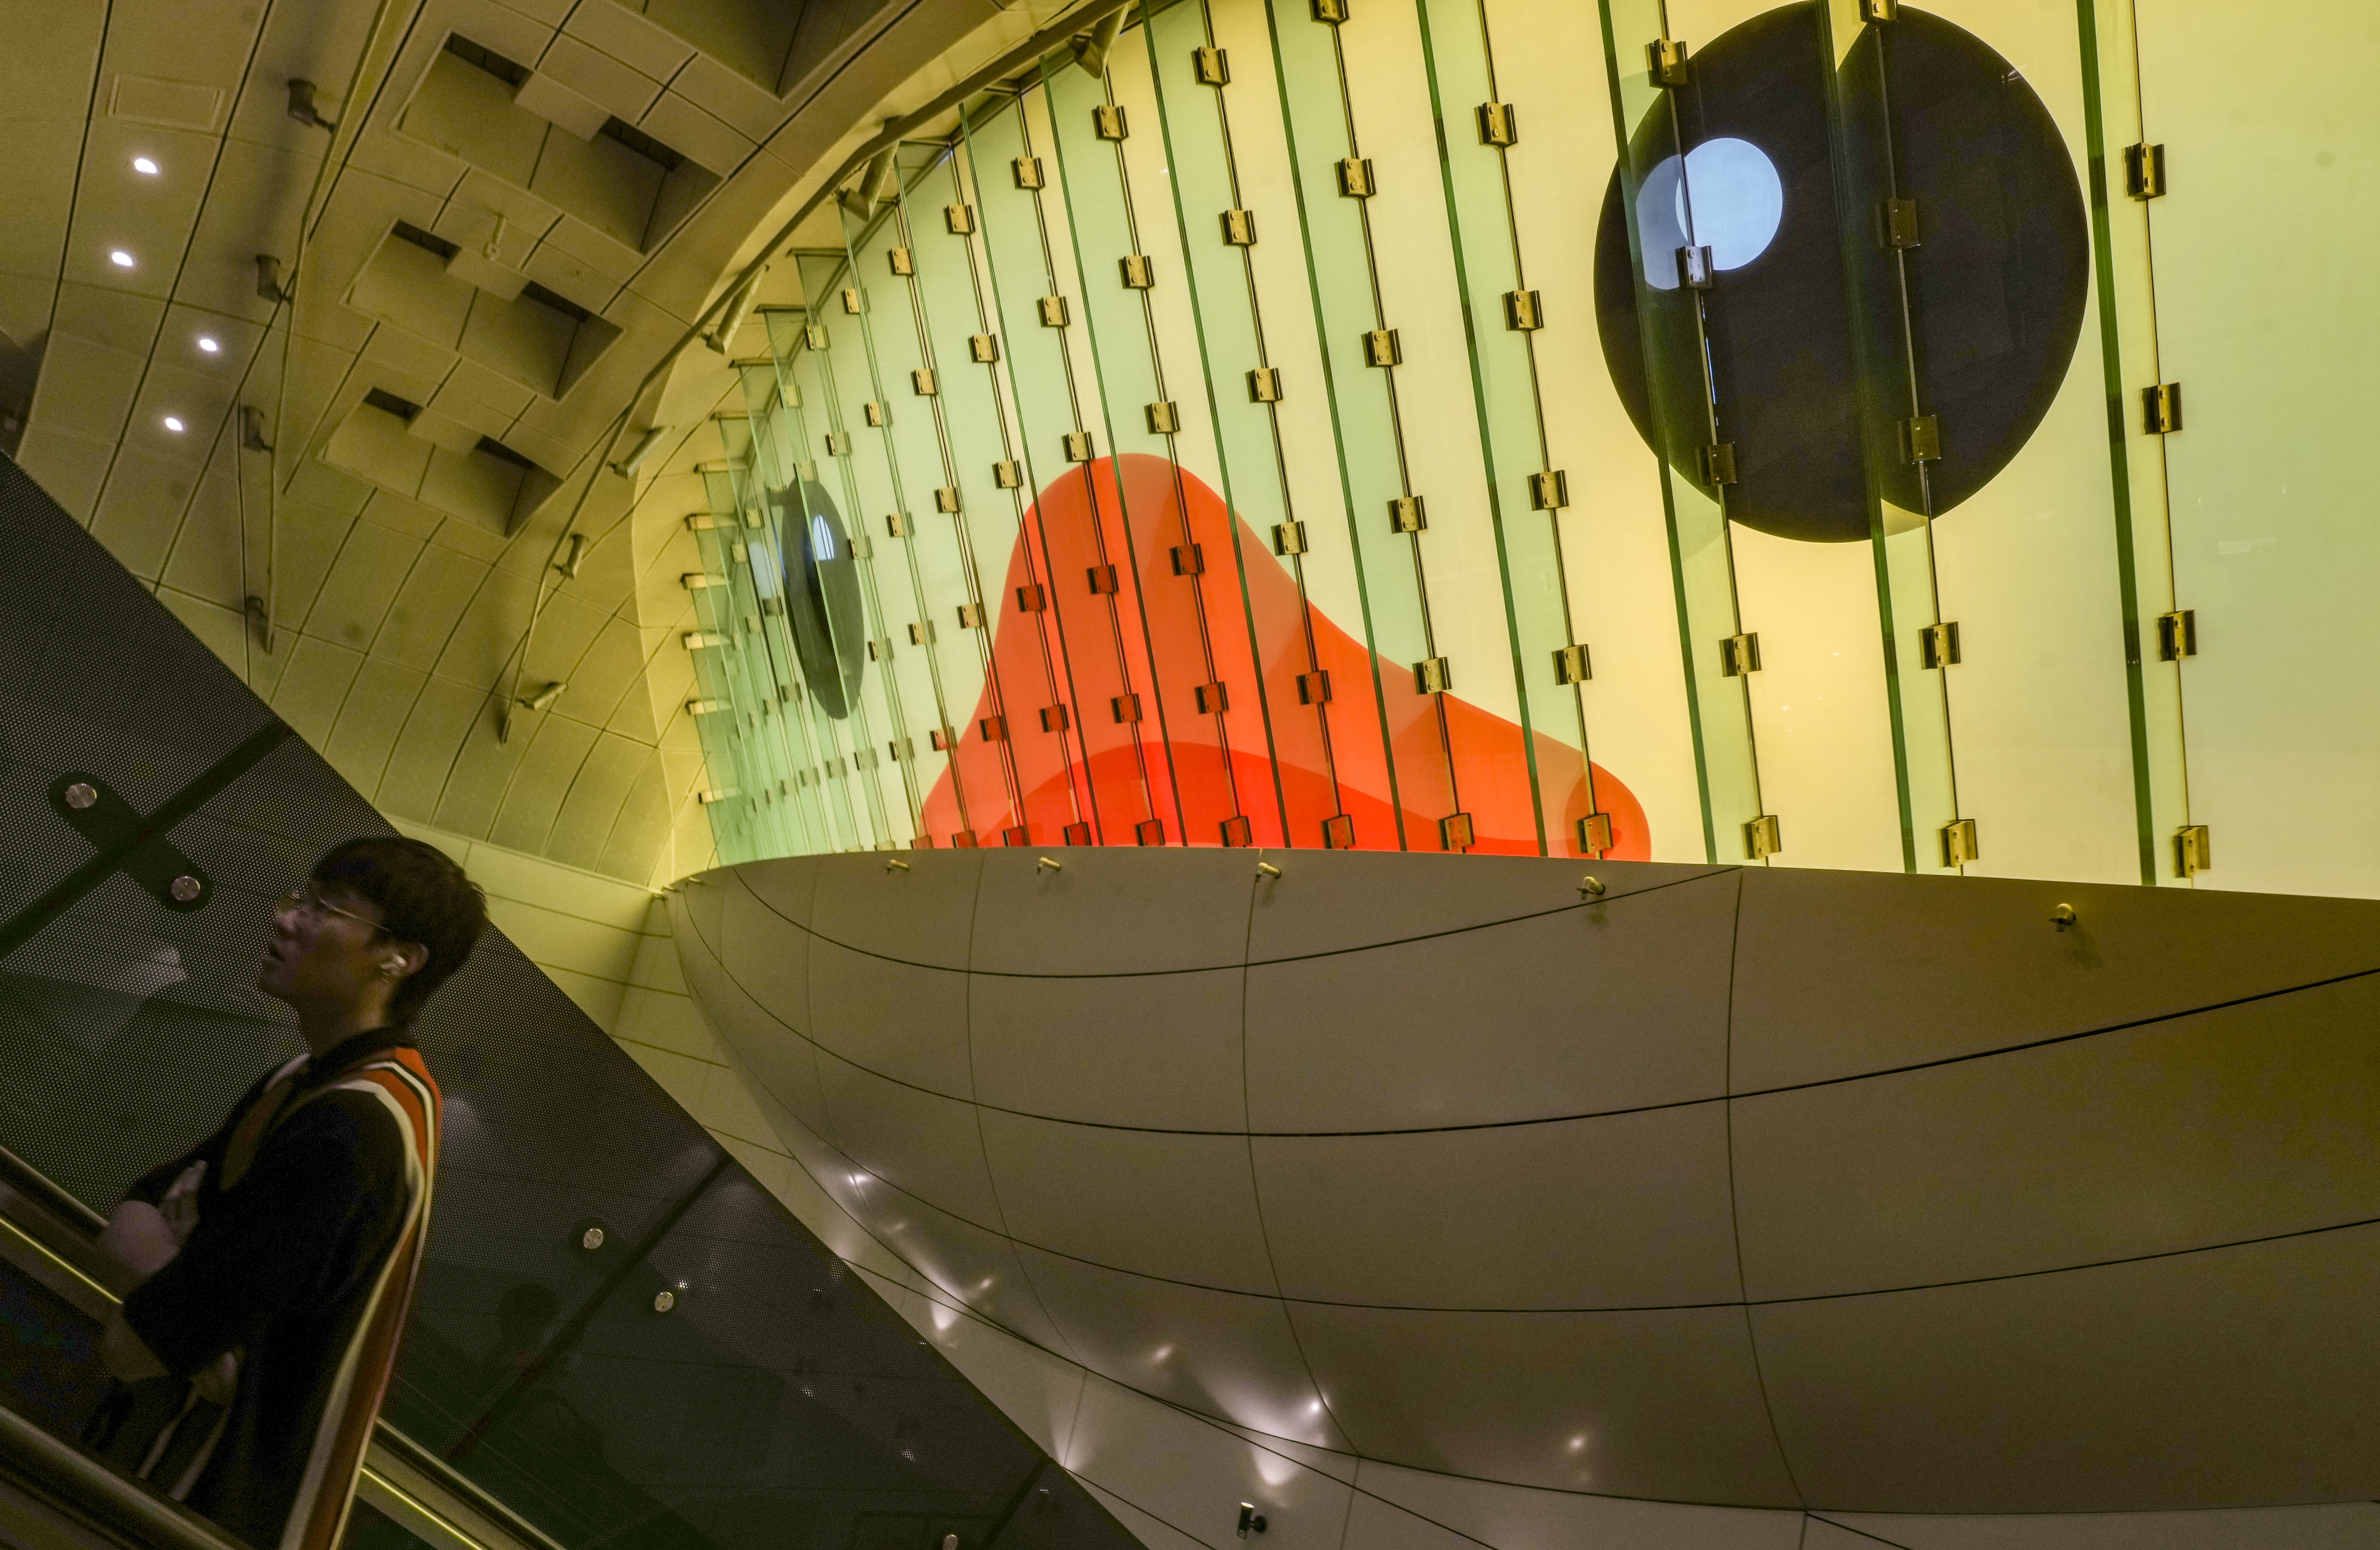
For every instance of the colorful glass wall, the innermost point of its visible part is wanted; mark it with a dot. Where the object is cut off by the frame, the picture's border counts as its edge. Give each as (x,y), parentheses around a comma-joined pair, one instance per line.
(1697,431)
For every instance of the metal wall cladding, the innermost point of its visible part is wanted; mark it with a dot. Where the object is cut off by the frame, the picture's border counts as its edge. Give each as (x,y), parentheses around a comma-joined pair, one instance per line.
(1669,1183)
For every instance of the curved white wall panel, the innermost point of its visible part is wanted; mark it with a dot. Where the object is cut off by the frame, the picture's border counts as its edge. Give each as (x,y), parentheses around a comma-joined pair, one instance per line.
(1851,1192)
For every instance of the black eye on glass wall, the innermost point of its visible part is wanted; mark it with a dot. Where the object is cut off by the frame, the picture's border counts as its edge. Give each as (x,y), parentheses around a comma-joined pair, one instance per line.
(1786,305)
(821,591)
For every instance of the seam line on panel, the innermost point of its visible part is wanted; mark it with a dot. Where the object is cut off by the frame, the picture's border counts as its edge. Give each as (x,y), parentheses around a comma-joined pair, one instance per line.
(1735,1208)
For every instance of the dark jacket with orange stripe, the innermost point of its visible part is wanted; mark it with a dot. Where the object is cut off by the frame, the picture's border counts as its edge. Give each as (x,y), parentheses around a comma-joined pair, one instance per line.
(311,1219)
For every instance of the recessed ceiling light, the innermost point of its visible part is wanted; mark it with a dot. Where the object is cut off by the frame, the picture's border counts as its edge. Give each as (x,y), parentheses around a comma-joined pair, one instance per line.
(120,259)
(144,166)
(208,345)
(173,425)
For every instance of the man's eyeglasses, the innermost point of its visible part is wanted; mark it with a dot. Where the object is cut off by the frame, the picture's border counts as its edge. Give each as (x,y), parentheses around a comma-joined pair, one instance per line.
(304,900)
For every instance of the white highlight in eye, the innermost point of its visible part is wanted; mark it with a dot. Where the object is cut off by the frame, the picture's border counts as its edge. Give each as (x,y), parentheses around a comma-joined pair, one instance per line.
(1724,196)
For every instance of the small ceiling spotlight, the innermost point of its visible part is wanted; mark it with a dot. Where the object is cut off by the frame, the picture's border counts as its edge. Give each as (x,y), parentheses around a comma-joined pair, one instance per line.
(173,425)
(208,345)
(544,698)
(626,467)
(1251,1521)
(119,258)
(144,166)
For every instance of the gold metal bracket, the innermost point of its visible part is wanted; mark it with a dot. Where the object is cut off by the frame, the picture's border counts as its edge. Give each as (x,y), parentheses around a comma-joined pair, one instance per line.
(1763,837)
(2161,408)
(2193,851)
(1938,644)
(1896,223)
(1738,655)
(896,865)
(1959,842)
(1590,887)
(2177,634)
(1666,62)
(1921,439)
(2144,171)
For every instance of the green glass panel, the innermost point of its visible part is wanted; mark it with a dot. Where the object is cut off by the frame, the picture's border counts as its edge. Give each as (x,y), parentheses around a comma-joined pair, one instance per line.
(1512,422)
(1614,534)
(1887,379)
(2127,353)
(761,453)
(2265,315)
(2028,565)
(1702,567)
(1417,268)
(954,305)
(815,412)
(1194,618)
(1060,493)
(1339,255)
(943,574)
(875,368)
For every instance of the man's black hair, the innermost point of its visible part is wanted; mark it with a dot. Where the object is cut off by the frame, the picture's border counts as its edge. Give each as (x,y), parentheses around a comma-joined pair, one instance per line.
(422,897)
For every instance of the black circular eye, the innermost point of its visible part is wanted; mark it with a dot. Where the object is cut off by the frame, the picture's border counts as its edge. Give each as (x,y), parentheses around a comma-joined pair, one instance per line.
(819,589)
(1805,292)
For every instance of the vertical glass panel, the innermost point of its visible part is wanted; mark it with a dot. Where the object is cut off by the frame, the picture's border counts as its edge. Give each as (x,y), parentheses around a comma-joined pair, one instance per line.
(2265,316)
(954,308)
(2024,521)
(877,364)
(1435,415)
(1498,328)
(1754,185)
(943,574)
(1187,600)
(1614,534)
(1887,393)
(1062,519)
(1412,792)
(2126,341)
(1316,626)
(825,563)
(1670,398)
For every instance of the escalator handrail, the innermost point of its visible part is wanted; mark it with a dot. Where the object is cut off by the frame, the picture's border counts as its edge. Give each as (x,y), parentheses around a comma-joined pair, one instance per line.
(26,1179)
(88,1489)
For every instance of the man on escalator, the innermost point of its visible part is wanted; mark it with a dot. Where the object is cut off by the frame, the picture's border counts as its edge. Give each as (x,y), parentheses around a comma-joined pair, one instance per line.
(274,1261)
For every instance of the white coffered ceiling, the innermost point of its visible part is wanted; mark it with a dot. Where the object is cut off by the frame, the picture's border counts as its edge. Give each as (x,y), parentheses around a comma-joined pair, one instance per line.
(515,213)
